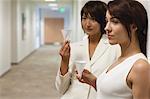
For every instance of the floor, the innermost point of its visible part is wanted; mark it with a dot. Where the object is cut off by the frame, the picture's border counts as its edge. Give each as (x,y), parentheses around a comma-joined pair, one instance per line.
(34,77)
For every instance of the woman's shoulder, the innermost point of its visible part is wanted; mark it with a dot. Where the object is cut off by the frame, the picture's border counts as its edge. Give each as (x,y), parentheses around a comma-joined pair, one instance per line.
(141,71)
(141,65)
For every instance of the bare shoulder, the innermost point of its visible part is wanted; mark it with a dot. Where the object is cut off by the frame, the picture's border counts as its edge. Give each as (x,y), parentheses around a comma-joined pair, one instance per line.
(141,71)
(140,78)
(141,66)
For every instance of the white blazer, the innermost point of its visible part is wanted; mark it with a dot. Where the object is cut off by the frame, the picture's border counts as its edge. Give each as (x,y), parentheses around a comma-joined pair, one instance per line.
(104,55)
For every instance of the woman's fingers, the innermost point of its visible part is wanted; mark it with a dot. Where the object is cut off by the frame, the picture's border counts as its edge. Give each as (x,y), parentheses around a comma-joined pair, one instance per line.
(80,79)
(65,50)
(64,45)
(85,74)
(86,71)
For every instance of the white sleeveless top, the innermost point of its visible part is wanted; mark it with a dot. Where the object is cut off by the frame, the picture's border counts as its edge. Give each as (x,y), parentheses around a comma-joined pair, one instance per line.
(113,85)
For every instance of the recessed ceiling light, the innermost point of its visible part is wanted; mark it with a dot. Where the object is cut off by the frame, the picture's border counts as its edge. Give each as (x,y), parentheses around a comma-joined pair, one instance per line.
(50,0)
(54,8)
(53,4)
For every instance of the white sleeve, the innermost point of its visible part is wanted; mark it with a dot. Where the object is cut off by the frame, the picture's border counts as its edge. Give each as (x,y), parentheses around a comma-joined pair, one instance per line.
(62,83)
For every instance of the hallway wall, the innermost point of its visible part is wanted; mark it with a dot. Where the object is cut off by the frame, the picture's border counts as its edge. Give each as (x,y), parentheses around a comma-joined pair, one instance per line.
(5,34)
(147,5)
(23,41)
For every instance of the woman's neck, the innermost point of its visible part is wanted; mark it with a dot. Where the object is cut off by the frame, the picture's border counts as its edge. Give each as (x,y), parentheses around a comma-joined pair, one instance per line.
(94,38)
(130,50)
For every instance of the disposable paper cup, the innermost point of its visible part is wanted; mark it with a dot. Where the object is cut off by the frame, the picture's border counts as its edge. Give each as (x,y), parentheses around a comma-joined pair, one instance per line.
(66,34)
(80,67)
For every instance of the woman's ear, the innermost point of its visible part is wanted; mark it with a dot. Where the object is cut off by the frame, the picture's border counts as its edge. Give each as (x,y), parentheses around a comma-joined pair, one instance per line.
(133,28)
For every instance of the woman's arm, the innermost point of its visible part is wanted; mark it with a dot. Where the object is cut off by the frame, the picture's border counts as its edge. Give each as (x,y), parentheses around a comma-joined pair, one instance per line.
(88,78)
(63,76)
(140,80)
(65,55)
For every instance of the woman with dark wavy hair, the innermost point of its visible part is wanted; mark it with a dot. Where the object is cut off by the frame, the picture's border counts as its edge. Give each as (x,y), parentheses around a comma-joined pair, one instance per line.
(129,76)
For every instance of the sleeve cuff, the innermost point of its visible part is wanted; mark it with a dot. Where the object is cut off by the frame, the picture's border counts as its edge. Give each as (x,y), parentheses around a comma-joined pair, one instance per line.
(67,75)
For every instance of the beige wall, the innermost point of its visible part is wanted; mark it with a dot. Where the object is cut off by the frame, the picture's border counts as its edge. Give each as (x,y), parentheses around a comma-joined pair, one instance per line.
(52,31)
(22,47)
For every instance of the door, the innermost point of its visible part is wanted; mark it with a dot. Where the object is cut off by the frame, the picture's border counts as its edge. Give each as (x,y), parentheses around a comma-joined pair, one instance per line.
(53,27)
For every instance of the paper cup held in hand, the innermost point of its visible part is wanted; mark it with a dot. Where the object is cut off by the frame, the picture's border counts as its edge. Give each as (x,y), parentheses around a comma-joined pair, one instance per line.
(66,34)
(80,66)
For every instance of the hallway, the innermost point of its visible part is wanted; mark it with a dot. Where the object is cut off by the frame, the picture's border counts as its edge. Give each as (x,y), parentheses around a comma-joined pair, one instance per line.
(34,77)
(22,31)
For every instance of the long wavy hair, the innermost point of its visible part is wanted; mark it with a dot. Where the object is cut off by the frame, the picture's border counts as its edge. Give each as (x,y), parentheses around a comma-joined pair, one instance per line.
(131,12)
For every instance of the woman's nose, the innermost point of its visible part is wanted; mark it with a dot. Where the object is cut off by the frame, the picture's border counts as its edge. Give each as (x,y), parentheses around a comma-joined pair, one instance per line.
(107,27)
(88,22)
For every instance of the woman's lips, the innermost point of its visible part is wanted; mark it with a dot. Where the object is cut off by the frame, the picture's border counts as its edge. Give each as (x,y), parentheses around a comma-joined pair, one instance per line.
(109,36)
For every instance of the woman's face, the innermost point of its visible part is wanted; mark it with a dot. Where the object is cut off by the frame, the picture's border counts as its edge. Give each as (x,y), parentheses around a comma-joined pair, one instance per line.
(90,25)
(116,32)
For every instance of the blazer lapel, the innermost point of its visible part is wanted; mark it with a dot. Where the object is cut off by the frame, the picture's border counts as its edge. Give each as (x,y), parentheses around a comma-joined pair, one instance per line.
(100,49)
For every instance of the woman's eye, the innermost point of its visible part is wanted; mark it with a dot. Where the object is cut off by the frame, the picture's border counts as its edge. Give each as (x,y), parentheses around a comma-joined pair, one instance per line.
(92,19)
(83,18)
(115,21)
(106,20)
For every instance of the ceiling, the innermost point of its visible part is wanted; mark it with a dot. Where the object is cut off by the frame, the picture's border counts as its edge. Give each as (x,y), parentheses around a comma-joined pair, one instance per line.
(67,4)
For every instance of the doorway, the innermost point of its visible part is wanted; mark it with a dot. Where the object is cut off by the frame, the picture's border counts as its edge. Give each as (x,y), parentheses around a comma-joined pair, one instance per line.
(52,30)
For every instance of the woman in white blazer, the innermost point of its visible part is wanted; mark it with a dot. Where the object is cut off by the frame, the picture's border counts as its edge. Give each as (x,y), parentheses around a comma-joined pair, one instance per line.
(94,49)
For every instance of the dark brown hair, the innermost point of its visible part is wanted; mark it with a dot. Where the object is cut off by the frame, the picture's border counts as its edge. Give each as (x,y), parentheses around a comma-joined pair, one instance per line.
(97,10)
(131,12)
